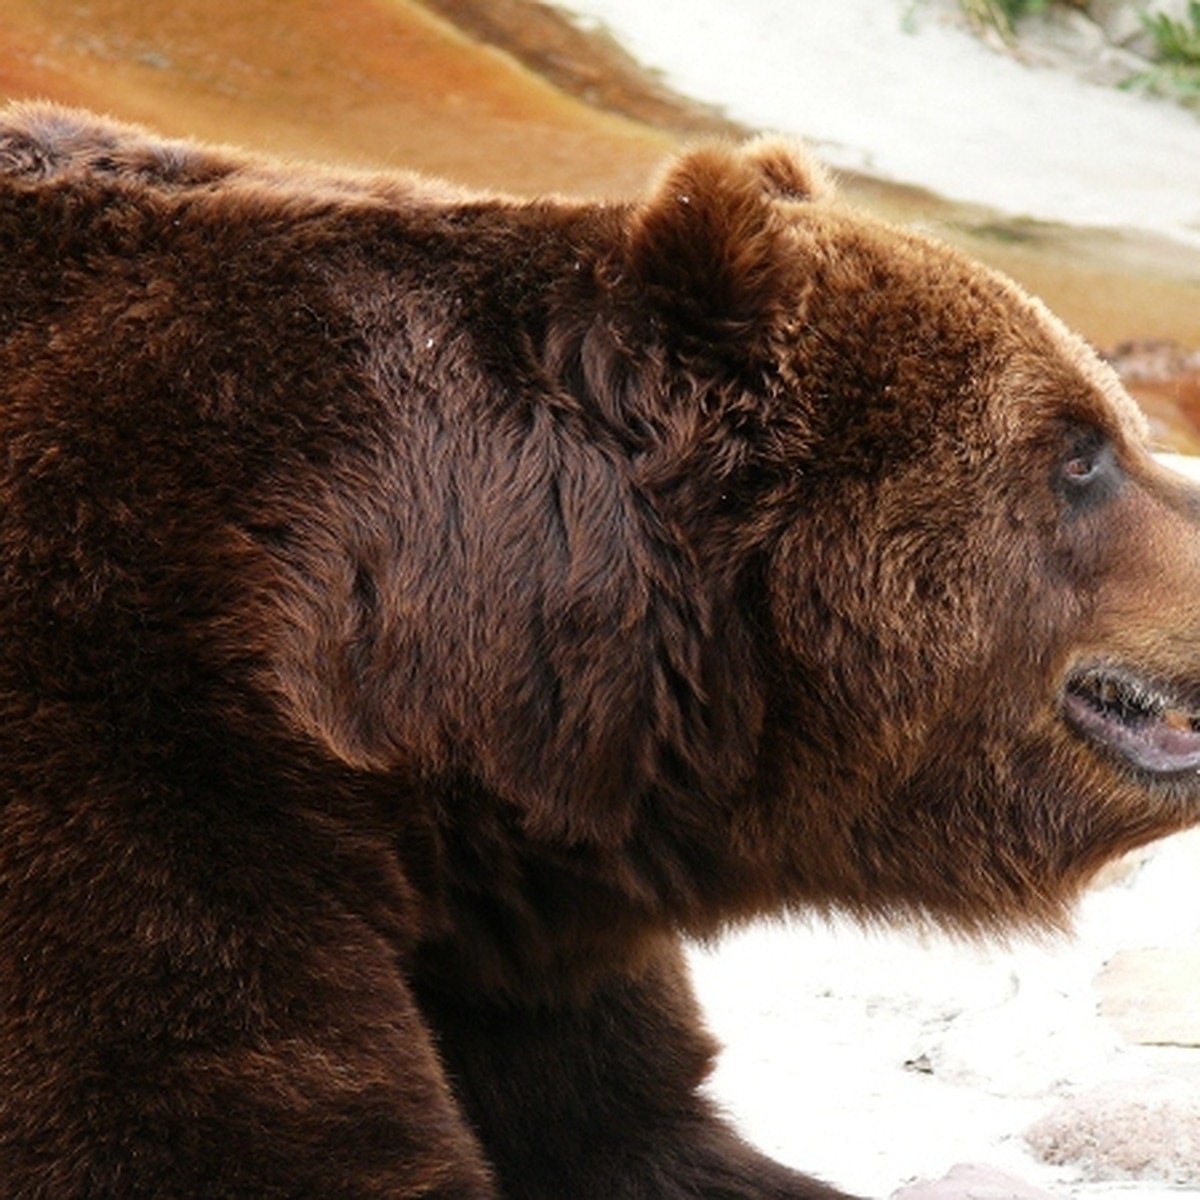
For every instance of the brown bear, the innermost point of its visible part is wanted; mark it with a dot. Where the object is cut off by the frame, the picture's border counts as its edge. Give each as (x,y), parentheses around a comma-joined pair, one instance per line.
(420,610)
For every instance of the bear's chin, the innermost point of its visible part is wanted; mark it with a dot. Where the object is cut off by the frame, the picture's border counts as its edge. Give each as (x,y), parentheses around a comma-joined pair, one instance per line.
(1135,718)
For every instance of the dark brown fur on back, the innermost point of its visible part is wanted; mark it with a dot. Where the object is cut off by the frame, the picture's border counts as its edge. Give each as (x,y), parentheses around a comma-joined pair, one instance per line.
(418,610)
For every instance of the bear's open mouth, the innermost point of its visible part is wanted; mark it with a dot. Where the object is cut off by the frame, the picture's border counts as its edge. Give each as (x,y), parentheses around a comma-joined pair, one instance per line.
(1143,722)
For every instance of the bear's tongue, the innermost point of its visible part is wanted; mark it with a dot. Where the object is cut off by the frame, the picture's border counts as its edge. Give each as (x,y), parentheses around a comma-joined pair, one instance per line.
(1137,721)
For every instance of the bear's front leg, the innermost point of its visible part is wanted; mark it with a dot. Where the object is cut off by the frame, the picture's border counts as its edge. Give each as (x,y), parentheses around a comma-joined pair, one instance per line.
(598,1098)
(217,1062)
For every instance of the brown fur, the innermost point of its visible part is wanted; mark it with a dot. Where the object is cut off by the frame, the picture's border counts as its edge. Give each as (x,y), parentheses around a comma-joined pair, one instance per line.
(419,610)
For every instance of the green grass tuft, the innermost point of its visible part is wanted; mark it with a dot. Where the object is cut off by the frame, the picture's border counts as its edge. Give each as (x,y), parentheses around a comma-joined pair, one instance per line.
(1176,74)
(1176,42)
(1001,15)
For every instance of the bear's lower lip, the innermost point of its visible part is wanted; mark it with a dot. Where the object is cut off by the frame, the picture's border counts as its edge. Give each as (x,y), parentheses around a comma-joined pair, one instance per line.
(1139,720)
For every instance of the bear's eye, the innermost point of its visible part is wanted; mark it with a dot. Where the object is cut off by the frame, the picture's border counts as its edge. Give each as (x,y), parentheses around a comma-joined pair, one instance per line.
(1089,472)
(1082,468)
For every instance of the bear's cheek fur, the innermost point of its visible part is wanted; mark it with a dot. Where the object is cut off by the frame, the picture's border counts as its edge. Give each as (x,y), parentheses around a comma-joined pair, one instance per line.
(885,606)
(932,672)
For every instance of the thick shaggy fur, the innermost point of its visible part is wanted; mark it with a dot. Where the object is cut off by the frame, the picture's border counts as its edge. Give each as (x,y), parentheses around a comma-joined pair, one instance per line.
(418,610)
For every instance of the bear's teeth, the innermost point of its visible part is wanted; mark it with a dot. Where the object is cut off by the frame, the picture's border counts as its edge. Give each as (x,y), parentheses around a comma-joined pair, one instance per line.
(1123,700)
(1128,701)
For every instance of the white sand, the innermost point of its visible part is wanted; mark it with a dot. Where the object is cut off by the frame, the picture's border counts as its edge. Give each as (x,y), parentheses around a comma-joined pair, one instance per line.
(874,1059)
(894,87)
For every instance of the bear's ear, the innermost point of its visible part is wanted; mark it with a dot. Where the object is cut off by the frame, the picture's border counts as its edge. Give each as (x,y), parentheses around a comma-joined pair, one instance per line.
(786,172)
(709,249)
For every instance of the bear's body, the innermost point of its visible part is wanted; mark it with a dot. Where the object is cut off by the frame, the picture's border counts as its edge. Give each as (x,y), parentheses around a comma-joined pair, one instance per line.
(418,610)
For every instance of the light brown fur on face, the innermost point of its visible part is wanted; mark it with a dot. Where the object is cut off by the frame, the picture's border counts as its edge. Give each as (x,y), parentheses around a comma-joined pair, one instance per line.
(419,610)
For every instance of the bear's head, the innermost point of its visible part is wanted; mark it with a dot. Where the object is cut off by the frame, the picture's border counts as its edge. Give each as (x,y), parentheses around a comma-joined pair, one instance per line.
(959,660)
